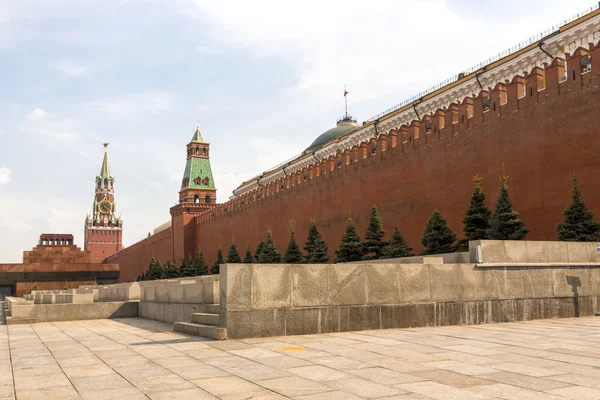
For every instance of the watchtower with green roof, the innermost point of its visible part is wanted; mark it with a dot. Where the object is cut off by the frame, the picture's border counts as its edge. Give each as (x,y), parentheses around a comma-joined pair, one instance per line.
(198,193)
(198,184)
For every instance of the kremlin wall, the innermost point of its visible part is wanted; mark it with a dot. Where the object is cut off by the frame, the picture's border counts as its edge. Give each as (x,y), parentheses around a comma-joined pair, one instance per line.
(537,128)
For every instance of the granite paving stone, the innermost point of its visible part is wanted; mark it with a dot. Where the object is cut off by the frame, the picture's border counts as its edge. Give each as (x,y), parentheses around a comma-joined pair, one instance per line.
(294,386)
(363,388)
(142,359)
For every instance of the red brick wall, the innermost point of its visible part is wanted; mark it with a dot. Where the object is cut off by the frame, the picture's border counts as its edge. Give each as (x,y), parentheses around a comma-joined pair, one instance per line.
(135,259)
(103,243)
(540,139)
(537,129)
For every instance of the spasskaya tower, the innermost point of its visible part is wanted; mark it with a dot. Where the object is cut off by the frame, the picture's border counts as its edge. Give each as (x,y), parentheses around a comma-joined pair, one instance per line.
(103,229)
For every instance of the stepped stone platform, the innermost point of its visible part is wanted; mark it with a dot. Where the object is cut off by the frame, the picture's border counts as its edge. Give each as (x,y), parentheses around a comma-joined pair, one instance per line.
(136,358)
(204,324)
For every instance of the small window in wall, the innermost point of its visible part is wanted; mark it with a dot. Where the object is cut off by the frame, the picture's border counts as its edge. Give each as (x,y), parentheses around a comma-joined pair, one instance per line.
(204,150)
(586,64)
(196,199)
(207,199)
(530,92)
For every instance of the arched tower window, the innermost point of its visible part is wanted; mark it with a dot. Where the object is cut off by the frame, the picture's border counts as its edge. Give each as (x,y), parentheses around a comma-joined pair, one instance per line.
(207,199)
(204,150)
(197,150)
(105,182)
(196,199)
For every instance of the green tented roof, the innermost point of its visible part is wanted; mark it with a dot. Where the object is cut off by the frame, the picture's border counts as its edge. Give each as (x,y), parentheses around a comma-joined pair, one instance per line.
(105,170)
(197,167)
(198,136)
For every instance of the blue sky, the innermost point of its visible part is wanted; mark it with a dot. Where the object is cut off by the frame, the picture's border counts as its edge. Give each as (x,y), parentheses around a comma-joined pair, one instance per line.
(263,78)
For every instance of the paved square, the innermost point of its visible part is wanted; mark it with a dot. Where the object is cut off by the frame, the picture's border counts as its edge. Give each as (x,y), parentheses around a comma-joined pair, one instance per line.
(142,359)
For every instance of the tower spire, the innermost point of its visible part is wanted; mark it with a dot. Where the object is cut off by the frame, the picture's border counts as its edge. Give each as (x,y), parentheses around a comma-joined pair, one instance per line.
(197,134)
(105,170)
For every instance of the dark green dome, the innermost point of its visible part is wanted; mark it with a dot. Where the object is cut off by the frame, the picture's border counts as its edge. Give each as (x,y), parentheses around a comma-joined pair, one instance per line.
(344,126)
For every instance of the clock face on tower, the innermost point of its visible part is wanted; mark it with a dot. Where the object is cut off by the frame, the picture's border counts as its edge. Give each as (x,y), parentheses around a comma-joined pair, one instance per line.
(105,207)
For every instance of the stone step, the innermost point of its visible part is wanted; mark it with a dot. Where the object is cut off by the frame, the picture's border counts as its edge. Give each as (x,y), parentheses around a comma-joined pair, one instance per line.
(17,321)
(209,331)
(212,308)
(205,318)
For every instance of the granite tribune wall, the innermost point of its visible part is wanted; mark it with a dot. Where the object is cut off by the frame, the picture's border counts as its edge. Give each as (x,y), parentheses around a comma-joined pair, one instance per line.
(274,300)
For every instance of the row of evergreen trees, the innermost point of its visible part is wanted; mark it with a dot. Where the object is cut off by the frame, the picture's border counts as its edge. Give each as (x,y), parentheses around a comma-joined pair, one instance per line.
(479,223)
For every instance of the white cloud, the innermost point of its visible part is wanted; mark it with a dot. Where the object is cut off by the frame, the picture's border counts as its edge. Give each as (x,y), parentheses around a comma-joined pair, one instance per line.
(131,105)
(342,44)
(52,128)
(64,221)
(37,114)
(227,182)
(5,176)
(270,153)
(71,68)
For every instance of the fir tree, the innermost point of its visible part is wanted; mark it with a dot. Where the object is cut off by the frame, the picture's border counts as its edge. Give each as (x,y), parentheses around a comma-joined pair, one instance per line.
(397,246)
(313,233)
(578,223)
(350,249)
(200,267)
(248,259)
(259,249)
(505,223)
(169,271)
(292,254)
(437,235)
(217,264)
(184,268)
(374,243)
(319,253)
(233,257)
(269,254)
(154,270)
(477,218)
(187,268)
